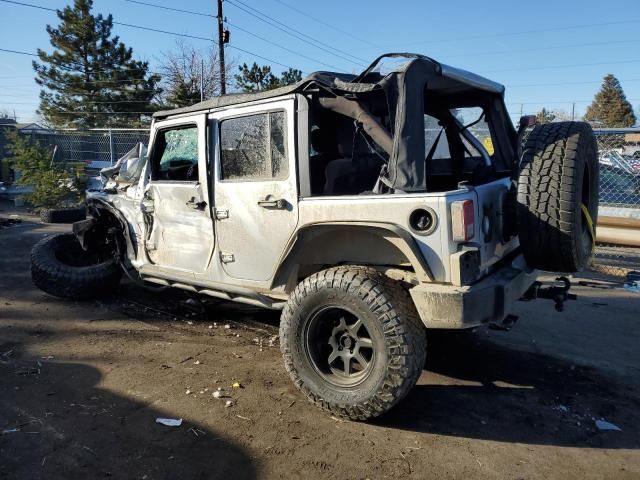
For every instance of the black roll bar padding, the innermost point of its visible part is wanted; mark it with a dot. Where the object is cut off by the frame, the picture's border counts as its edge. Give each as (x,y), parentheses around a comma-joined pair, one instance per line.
(354,109)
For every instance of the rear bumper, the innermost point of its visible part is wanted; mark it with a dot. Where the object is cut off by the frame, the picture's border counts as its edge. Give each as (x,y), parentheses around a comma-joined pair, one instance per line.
(488,301)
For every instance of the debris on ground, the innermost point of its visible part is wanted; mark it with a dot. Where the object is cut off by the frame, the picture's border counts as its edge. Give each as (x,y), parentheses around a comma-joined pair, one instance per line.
(9,430)
(602,285)
(227,326)
(188,392)
(603,425)
(229,403)
(10,222)
(237,385)
(169,422)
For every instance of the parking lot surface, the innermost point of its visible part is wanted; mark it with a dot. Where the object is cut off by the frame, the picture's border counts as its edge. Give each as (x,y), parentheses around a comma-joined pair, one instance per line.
(82,384)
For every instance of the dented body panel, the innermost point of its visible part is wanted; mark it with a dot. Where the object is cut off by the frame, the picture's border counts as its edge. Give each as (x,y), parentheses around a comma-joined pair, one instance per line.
(205,217)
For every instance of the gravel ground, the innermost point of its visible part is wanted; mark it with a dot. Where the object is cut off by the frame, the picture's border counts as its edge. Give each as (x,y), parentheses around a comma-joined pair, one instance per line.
(81,386)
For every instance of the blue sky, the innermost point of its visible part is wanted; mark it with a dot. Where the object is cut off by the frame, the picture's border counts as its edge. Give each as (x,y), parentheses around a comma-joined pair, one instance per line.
(547,53)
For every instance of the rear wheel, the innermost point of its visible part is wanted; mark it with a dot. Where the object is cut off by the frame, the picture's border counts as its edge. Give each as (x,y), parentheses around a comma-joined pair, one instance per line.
(352,341)
(558,196)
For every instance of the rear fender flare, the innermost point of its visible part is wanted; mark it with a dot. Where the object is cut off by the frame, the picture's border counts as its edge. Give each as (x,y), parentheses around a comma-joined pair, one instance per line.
(395,241)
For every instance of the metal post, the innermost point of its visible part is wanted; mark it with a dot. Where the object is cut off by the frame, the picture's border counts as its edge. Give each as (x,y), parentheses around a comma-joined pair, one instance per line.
(111,146)
(573,112)
(201,79)
(223,85)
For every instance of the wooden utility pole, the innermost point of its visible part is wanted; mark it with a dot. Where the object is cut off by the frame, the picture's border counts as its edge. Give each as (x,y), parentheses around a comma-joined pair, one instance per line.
(223,83)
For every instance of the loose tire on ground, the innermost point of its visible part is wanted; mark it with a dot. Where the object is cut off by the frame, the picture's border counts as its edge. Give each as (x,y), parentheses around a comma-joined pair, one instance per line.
(559,174)
(390,340)
(63,215)
(61,267)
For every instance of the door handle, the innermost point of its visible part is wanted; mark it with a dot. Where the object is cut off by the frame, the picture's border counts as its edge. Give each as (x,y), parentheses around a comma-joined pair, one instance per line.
(272,203)
(196,205)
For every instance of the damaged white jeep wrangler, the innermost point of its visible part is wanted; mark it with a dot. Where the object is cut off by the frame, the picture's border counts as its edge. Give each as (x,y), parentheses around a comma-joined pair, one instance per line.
(367,208)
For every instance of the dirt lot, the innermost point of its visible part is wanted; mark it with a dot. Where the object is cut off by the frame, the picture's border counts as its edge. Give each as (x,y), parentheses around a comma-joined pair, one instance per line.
(81,385)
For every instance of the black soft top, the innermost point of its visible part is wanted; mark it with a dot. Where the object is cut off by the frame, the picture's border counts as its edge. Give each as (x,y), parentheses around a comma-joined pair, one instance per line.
(404,88)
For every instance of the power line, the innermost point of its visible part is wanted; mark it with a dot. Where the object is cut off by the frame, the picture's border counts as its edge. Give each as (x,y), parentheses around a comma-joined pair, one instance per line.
(282,46)
(555,84)
(201,14)
(266,40)
(299,35)
(559,102)
(157,30)
(16,51)
(526,32)
(550,67)
(326,24)
(534,49)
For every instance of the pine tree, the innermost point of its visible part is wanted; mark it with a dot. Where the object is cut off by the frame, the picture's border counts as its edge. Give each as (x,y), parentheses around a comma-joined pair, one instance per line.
(91,79)
(259,78)
(290,77)
(610,107)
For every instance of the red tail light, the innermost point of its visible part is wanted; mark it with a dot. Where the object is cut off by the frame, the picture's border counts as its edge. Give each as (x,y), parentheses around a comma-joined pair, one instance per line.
(463,220)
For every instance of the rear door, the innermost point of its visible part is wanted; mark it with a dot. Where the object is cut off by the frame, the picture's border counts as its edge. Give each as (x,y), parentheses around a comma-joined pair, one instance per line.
(256,201)
(176,203)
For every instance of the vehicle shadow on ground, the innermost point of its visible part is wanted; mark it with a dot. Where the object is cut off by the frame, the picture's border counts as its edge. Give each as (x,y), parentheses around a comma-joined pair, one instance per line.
(57,422)
(503,394)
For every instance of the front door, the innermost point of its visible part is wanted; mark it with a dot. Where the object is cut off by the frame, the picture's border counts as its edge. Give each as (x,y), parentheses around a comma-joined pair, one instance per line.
(177,201)
(256,202)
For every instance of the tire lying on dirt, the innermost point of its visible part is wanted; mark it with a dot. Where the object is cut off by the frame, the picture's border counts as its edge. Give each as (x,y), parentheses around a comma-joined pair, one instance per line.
(63,215)
(352,341)
(558,196)
(61,267)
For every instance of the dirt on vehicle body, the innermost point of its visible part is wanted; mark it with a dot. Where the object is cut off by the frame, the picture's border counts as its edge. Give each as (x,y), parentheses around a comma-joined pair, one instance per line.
(367,208)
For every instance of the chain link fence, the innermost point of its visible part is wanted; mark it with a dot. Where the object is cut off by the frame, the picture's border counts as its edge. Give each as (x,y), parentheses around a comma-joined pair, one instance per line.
(618,247)
(96,148)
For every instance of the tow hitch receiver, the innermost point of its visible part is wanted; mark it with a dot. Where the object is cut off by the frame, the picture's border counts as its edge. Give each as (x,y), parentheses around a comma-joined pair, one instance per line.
(559,292)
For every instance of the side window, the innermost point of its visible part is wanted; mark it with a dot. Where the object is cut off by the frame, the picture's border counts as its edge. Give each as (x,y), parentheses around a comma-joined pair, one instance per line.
(254,147)
(176,154)
(475,119)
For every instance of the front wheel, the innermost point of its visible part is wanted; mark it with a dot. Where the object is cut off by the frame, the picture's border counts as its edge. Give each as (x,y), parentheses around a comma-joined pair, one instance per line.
(352,341)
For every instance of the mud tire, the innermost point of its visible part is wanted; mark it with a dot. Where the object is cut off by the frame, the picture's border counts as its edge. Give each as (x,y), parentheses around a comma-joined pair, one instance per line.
(388,313)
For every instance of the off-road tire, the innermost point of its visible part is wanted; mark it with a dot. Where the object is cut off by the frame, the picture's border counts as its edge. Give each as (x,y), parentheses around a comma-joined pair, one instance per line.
(387,309)
(53,272)
(63,215)
(559,173)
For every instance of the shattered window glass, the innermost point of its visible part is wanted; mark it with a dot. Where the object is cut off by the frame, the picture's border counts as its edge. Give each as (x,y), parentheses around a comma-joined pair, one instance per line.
(279,145)
(179,157)
(254,147)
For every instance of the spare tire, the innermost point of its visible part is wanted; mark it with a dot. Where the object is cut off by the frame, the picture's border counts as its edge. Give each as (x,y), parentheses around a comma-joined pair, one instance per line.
(63,215)
(61,267)
(559,175)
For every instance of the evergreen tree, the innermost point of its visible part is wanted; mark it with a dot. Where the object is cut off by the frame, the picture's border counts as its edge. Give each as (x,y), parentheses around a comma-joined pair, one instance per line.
(91,79)
(256,78)
(610,107)
(290,77)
